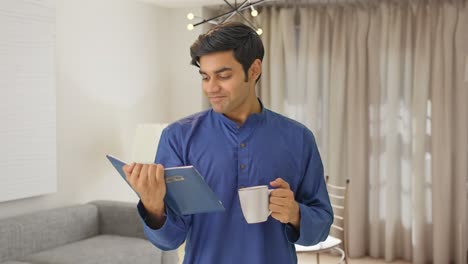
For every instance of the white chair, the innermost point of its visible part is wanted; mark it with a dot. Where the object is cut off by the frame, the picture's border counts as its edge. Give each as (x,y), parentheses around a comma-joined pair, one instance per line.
(338,198)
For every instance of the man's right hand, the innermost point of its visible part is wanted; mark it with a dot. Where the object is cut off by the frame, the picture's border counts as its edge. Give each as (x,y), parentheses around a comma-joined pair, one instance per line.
(148,181)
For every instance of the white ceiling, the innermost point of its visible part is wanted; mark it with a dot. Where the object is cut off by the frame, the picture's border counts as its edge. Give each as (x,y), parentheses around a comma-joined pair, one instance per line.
(187,3)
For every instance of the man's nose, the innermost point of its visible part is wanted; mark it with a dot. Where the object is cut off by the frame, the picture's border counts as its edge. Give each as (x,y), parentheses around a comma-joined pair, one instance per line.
(212,86)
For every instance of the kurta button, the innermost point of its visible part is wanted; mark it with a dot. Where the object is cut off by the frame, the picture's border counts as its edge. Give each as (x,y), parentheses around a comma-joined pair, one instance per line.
(242,145)
(242,166)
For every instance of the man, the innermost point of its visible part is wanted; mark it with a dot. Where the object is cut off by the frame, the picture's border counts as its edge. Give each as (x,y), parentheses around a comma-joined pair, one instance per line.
(238,143)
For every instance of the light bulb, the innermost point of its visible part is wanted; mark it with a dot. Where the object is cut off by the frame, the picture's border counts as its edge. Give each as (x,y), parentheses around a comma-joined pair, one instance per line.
(190,16)
(254,12)
(190,26)
(259,31)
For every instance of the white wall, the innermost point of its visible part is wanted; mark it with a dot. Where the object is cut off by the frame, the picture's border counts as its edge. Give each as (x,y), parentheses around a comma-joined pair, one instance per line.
(119,63)
(185,79)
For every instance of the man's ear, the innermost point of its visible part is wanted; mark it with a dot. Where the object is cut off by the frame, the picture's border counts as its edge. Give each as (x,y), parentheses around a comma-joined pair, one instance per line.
(255,69)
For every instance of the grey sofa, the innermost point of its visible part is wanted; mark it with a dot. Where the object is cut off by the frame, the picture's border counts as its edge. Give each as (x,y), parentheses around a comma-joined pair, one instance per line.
(97,232)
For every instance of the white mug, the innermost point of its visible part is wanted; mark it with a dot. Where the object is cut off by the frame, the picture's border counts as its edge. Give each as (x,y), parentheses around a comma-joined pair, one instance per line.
(254,203)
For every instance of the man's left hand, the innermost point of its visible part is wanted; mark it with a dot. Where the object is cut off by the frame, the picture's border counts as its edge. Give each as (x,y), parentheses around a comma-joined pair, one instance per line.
(282,204)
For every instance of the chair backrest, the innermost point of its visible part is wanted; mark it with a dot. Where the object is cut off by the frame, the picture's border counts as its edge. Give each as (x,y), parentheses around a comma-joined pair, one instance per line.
(339,199)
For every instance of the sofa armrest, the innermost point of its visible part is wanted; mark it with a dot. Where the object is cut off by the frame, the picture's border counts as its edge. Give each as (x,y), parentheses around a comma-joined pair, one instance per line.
(119,218)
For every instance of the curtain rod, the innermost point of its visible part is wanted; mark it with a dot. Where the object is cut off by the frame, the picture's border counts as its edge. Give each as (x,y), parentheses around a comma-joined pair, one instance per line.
(366,2)
(306,3)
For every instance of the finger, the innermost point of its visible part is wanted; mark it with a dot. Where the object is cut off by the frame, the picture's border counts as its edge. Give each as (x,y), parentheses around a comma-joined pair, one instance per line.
(280,217)
(136,171)
(143,178)
(280,183)
(127,169)
(279,201)
(160,174)
(152,174)
(280,213)
(276,208)
(282,193)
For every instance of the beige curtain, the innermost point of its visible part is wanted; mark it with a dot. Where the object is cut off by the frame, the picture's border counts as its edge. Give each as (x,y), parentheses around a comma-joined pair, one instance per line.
(382,85)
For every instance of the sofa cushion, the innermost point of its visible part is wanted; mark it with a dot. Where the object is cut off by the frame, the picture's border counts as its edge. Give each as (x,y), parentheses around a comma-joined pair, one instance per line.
(100,250)
(119,218)
(15,262)
(26,234)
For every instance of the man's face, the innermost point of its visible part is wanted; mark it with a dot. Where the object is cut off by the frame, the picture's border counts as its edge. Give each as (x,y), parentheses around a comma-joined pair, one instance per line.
(223,82)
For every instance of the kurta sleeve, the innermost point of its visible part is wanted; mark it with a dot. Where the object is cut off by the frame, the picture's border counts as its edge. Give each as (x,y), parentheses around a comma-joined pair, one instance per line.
(312,195)
(174,230)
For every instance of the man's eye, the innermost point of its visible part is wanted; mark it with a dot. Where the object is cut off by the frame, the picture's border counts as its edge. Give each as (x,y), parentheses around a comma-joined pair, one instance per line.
(225,77)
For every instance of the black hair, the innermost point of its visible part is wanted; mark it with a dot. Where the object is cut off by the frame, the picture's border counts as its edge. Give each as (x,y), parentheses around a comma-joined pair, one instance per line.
(241,39)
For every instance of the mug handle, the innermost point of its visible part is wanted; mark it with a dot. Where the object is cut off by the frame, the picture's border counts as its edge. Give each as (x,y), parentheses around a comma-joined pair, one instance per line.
(269,194)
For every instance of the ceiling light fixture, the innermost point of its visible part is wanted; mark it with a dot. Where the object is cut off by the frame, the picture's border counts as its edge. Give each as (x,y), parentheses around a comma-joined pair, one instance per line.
(235,9)
(254,11)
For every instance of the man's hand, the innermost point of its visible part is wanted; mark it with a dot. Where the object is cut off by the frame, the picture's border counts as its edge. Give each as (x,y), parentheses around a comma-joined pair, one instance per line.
(148,181)
(282,204)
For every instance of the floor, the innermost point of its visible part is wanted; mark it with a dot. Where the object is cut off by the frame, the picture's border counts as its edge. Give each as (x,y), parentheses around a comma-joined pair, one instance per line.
(307,258)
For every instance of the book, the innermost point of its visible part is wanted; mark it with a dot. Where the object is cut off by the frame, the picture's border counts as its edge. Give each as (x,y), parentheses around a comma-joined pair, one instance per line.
(186,191)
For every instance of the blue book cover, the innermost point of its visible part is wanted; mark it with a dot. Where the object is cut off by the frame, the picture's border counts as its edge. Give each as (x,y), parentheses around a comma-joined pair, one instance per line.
(186,190)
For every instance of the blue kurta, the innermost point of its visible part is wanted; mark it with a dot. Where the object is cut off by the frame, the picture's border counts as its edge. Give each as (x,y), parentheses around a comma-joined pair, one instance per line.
(229,157)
